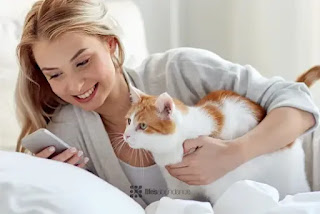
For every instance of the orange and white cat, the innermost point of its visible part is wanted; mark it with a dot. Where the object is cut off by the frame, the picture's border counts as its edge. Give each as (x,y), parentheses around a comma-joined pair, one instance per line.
(161,124)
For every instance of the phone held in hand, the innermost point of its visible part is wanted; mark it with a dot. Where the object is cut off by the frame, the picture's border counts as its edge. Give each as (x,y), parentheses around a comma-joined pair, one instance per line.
(41,139)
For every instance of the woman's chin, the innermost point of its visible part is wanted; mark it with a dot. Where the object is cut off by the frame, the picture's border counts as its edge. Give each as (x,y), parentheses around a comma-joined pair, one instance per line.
(93,105)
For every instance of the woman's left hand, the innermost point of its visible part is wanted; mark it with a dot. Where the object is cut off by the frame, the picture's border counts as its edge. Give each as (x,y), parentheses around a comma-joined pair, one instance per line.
(212,159)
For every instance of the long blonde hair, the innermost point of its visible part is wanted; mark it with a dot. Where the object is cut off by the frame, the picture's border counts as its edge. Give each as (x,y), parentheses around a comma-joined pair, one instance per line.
(49,19)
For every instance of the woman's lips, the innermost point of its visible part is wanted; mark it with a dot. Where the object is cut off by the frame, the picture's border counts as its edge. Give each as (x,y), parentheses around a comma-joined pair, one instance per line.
(87,99)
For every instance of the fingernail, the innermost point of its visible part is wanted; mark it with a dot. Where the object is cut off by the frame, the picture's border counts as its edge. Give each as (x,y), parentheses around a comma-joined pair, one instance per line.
(80,153)
(73,150)
(52,149)
(86,160)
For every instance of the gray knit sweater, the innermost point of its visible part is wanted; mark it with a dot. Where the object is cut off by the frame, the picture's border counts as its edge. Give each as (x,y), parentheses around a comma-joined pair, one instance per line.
(187,74)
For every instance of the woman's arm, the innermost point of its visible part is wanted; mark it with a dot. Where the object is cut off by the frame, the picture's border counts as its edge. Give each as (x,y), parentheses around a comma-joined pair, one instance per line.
(214,158)
(190,74)
(279,128)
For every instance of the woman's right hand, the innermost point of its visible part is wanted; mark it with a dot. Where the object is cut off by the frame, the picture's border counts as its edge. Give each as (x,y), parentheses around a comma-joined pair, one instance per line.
(71,156)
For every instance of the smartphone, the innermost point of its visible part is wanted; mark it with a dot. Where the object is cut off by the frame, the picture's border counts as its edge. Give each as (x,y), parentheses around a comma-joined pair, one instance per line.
(41,139)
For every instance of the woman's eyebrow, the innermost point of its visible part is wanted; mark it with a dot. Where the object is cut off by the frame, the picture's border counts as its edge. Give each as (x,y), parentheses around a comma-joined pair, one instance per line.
(75,56)
(44,68)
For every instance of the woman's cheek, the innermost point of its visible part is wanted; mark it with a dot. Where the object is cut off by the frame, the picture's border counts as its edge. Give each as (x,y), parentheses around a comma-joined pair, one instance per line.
(58,90)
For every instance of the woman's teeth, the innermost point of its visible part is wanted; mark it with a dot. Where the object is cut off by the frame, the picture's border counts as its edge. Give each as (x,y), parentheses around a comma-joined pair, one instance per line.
(87,94)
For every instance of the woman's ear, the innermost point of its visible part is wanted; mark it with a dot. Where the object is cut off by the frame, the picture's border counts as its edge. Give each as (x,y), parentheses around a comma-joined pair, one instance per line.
(111,43)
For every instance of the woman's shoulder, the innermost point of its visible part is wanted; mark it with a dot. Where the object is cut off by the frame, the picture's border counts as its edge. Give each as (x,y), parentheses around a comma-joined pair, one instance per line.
(70,121)
(64,113)
(182,61)
(184,54)
(182,72)
(71,114)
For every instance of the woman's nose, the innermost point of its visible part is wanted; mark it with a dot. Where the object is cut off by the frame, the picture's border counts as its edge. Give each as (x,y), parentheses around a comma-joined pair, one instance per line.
(75,86)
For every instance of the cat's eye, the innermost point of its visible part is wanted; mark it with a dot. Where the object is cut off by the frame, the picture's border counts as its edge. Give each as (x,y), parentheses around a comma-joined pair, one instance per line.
(143,126)
(129,121)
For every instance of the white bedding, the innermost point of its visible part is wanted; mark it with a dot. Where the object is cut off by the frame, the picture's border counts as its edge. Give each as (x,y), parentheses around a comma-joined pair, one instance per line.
(243,197)
(33,185)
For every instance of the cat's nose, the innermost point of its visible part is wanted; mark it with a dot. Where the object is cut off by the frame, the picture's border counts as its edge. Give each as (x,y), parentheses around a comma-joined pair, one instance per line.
(127,136)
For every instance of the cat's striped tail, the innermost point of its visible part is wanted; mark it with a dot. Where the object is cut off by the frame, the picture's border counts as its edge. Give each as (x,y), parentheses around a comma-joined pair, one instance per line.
(310,76)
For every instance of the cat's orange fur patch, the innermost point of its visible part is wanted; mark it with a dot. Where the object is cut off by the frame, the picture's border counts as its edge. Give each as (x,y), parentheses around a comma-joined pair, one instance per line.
(146,112)
(220,95)
(217,116)
(310,76)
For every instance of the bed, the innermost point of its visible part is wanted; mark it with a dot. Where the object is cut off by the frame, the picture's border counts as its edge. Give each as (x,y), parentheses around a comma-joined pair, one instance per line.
(33,185)
(66,190)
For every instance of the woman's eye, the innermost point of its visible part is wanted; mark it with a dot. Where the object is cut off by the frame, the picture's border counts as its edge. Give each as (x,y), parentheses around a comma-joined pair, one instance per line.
(54,76)
(143,126)
(129,121)
(83,63)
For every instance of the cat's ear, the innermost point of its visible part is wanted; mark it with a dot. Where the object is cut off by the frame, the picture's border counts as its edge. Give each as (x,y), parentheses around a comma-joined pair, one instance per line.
(165,106)
(135,94)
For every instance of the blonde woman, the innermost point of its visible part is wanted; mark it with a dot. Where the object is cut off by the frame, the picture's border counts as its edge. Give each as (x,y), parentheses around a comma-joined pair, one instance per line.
(72,82)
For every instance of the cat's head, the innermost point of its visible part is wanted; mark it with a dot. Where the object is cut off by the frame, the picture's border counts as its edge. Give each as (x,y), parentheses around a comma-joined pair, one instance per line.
(153,121)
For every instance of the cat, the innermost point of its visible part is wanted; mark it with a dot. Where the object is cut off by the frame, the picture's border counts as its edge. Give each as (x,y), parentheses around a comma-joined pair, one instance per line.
(161,124)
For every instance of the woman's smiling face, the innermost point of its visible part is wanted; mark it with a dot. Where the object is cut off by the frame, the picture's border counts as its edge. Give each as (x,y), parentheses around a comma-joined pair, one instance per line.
(78,68)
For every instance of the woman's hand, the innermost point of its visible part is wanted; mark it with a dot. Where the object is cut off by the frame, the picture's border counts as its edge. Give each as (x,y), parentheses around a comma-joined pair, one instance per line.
(212,159)
(71,156)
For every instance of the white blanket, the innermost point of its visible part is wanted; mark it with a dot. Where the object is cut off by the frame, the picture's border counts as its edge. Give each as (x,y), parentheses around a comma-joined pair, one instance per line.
(243,197)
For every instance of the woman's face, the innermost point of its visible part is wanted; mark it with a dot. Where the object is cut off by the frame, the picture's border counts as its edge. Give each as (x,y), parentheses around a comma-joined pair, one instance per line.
(78,68)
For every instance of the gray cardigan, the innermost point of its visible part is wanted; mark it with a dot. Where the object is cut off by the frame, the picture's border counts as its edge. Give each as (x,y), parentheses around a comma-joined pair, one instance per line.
(187,74)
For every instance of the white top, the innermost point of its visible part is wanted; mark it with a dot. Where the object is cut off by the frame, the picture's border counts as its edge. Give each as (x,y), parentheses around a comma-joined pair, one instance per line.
(146,182)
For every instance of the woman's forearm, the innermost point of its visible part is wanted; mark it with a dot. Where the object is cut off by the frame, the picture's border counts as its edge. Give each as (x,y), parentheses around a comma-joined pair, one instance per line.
(277,130)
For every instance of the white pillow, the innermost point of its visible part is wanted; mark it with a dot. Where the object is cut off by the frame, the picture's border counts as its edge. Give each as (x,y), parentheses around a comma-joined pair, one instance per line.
(9,128)
(128,15)
(10,31)
(32,185)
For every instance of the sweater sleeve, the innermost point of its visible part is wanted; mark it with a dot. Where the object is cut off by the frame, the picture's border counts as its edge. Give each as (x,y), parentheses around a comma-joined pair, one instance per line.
(190,74)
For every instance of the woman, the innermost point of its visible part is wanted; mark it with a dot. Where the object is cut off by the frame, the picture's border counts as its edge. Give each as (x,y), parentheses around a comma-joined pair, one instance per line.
(73,82)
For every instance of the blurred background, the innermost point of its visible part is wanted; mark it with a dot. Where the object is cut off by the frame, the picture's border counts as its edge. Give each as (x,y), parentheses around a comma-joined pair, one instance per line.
(278,38)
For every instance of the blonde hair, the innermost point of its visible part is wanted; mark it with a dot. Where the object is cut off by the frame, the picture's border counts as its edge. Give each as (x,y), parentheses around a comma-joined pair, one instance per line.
(49,19)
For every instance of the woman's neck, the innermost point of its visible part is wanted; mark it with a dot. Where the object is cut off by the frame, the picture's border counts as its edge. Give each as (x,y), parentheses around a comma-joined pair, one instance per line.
(113,113)
(116,106)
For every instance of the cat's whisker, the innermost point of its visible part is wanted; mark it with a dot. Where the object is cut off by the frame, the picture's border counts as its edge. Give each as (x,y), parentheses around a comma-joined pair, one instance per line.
(132,151)
(118,137)
(135,161)
(118,145)
(115,133)
(141,159)
(145,154)
(116,140)
(148,154)
(122,144)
